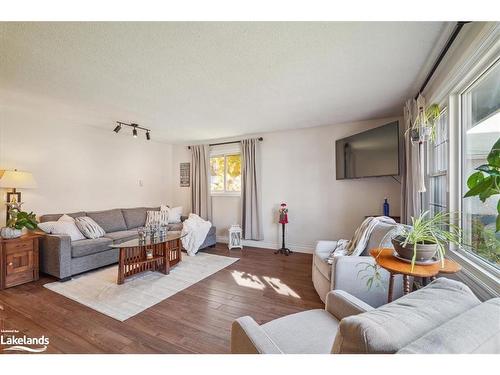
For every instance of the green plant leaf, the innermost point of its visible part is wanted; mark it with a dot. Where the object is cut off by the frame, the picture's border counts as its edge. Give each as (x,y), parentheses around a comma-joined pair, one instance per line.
(481,186)
(474,179)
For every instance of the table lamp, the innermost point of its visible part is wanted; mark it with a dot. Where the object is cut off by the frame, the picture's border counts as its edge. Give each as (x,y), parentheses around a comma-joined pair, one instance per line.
(16,180)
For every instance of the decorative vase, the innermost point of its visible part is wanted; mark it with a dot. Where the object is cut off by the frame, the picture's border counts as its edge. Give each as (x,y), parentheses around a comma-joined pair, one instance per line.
(8,233)
(424,251)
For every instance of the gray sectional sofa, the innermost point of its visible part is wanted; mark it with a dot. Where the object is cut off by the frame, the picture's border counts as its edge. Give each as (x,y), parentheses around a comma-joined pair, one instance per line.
(63,258)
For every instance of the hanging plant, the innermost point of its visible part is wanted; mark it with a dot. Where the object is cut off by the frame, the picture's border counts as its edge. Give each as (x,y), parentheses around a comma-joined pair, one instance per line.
(423,128)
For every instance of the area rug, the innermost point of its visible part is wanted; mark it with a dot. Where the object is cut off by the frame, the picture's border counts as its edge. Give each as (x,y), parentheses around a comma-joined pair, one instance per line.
(99,291)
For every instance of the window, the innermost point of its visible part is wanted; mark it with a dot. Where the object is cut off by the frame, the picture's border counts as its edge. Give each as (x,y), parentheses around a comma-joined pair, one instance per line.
(225,174)
(480,107)
(437,156)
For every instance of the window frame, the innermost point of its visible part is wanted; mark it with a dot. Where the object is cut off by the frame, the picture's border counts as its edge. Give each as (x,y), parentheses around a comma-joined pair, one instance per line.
(482,53)
(470,255)
(224,152)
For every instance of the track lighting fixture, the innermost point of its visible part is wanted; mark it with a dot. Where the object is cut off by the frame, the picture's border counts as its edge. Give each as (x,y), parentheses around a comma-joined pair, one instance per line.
(134,129)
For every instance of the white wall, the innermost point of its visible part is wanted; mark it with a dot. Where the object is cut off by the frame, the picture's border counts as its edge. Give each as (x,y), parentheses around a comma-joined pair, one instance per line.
(298,167)
(82,167)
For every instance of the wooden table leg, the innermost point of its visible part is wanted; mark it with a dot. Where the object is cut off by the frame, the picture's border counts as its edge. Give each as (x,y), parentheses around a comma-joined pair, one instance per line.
(166,257)
(391,287)
(121,265)
(406,281)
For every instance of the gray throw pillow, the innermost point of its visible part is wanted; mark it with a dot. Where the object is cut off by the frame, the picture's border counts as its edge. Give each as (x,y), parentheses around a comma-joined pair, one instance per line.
(89,227)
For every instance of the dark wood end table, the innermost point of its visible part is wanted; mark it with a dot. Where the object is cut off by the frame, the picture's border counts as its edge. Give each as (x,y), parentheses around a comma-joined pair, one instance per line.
(385,258)
(19,260)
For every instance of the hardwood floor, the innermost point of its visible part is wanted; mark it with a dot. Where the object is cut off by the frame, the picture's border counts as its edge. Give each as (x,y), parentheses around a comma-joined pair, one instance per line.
(195,320)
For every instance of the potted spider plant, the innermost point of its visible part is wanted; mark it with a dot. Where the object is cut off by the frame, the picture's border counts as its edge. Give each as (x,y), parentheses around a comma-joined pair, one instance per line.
(427,238)
(423,127)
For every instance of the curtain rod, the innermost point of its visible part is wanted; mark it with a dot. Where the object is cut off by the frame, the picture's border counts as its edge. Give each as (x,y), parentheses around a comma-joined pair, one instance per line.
(226,143)
(452,38)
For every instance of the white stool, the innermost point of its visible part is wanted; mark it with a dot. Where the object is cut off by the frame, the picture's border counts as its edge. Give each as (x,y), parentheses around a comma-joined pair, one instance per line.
(235,234)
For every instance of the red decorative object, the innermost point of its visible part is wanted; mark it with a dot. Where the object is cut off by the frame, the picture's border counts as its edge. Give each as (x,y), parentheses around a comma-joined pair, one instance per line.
(283,214)
(283,220)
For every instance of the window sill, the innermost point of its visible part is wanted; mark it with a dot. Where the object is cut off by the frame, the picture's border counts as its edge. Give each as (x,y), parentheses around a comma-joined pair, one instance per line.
(225,194)
(484,277)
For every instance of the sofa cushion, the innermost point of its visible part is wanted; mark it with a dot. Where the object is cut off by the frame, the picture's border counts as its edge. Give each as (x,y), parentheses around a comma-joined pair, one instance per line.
(393,326)
(320,258)
(134,217)
(86,247)
(109,220)
(55,217)
(474,331)
(122,236)
(309,332)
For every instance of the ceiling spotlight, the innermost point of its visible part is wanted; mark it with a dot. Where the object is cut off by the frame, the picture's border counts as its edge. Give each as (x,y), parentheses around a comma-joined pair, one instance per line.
(135,129)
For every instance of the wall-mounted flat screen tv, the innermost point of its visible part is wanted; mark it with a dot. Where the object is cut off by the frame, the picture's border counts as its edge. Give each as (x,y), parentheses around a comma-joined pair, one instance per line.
(372,153)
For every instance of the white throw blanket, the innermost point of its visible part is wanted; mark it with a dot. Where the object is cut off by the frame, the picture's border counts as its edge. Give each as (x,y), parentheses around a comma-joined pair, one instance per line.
(196,230)
(358,243)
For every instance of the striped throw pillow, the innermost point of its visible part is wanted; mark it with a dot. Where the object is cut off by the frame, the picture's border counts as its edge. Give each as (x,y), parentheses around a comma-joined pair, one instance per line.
(157,217)
(89,227)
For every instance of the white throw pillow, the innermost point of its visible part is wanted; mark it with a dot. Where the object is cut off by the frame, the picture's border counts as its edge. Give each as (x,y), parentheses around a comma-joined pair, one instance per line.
(174,215)
(64,226)
(157,217)
(89,227)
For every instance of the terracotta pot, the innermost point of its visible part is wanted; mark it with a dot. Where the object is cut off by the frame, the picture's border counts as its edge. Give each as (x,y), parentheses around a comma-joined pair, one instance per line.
(424,251)
(9,233)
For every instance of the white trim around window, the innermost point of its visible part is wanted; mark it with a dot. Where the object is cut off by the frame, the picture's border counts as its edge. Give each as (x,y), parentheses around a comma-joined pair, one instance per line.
(484,52)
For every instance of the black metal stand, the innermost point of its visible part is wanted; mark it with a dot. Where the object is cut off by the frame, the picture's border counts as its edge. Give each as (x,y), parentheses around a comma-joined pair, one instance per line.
(283,250)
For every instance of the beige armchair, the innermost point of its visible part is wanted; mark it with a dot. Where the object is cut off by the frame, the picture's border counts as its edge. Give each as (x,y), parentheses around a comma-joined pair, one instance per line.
(443,317)
(344,272)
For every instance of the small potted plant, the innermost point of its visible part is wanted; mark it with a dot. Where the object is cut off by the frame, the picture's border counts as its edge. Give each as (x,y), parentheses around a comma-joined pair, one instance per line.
(17,221)
(423,128)
(427,238)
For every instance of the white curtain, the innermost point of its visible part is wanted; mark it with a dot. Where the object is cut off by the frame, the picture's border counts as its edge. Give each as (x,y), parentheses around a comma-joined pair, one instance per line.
(413,165)
(201,201)
(251,211)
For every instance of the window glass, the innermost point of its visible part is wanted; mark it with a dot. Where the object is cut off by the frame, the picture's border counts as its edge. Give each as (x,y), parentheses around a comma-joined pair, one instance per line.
(233,173)
(225,173)
(217,167)
(438,167)
(481,129)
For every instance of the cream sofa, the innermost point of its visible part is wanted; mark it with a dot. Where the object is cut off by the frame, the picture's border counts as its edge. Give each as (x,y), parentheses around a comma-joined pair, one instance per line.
(346,271)
(443,317)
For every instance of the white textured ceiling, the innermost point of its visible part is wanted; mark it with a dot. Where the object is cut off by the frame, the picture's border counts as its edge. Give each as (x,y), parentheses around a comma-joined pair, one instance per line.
(201,80)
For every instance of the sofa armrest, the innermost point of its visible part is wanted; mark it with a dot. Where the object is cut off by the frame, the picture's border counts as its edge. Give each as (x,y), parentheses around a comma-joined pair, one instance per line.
(341,304)
(247,337)
(323,246)
(55,255)
(350,273)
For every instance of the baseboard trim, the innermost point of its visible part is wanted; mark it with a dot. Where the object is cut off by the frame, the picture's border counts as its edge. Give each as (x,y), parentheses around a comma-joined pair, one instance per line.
(298,248)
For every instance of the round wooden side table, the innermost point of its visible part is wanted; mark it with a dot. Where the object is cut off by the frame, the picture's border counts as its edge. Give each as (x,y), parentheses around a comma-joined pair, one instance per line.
(385,258)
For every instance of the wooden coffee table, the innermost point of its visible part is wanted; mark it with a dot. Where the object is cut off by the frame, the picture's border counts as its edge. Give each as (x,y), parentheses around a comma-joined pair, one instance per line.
(166,253)
(385,258)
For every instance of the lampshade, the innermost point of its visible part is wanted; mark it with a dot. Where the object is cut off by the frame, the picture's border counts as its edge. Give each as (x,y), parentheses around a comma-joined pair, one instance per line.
(17,180)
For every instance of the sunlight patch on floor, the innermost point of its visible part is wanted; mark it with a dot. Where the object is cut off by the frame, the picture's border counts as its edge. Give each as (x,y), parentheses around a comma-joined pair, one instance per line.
(248,280)
(252,281)
(279,287)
